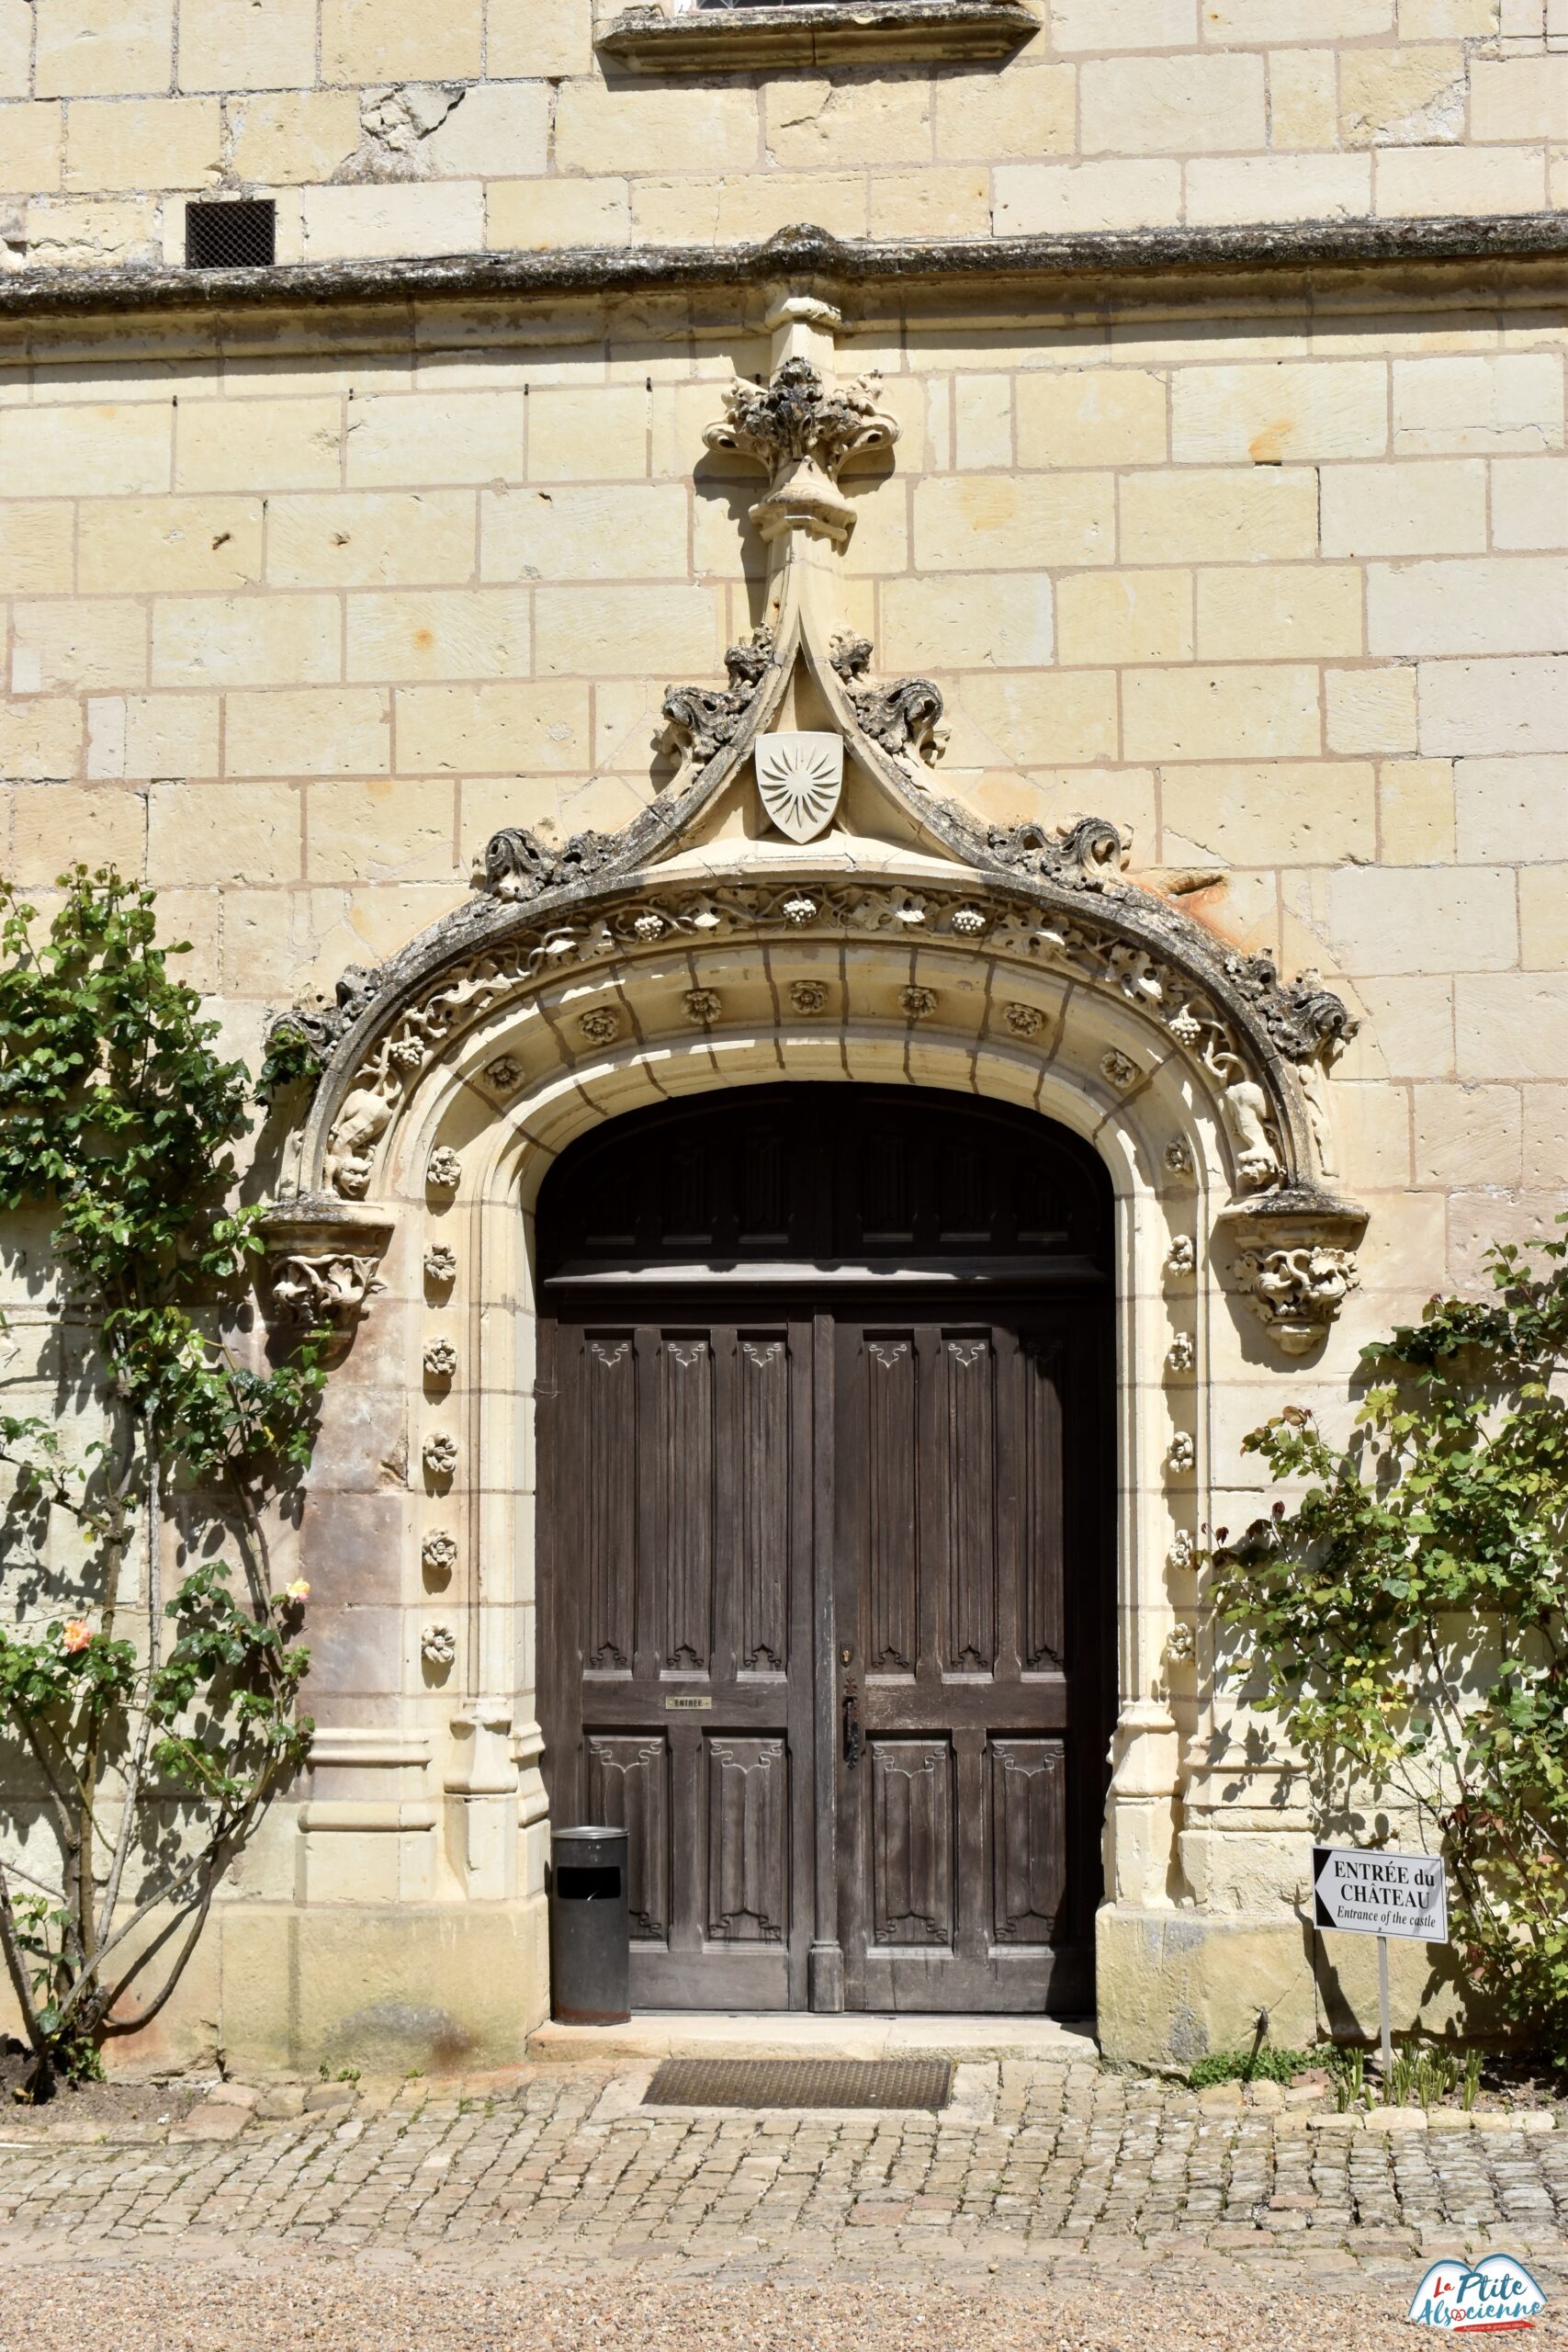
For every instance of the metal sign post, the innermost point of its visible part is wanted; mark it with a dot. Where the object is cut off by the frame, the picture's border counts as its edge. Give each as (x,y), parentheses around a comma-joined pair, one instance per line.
(1366,1891)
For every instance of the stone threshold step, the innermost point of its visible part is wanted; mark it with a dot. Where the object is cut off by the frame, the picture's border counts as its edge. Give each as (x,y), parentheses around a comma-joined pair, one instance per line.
(667,2033)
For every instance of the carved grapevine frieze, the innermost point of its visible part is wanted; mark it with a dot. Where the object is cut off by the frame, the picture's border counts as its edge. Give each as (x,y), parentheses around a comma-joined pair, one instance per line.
(1084,947)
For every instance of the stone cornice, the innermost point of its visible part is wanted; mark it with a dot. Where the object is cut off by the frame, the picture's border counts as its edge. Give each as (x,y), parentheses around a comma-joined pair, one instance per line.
(1172,262)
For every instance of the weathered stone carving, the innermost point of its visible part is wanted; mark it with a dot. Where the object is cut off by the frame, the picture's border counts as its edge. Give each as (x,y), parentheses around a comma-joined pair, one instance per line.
(1297,1292)
(504,1075)
(1119,1069)
(1306,1021)
(1183,1454)
(600,1026)
(1089,945)
(440,1265)
(1179,1159)
(702,1006)
(1181,1643)
(808,996)
(320,1024)
(702,721)
(517,864)
(325,1292)
(438,1644)
(321,1266)
(1088,855)
(1023,1020)
(905,718)
(1179,1356)
(918,1003)
(1181,1259)
(440,1453)
(441,1360)
(443,1170)
(1182,1554)
(438,1554)
(802,435)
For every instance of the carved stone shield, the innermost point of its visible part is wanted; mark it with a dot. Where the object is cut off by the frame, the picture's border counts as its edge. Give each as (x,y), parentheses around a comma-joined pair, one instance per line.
(800,778)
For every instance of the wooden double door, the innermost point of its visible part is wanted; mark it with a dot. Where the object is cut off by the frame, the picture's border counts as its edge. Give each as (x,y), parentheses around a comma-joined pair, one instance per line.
(825,1605)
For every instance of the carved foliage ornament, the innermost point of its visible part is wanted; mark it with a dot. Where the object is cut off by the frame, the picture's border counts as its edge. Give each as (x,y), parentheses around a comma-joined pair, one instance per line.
(328,1291)
(801,435)
(1297,1292)
(1085,946)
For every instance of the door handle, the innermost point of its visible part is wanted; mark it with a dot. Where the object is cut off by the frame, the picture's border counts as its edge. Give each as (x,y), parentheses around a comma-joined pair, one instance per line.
(853,1742)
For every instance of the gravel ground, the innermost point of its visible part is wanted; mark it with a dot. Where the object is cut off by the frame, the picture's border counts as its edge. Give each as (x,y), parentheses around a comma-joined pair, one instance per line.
(183,2306)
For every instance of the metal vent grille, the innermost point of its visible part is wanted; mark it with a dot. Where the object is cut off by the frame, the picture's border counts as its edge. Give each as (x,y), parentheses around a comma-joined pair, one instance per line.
(802,2082)
(231,236)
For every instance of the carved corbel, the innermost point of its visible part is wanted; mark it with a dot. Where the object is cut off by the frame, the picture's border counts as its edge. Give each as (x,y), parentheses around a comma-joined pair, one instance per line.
(1295,1262)
(802,435)
(320,1265)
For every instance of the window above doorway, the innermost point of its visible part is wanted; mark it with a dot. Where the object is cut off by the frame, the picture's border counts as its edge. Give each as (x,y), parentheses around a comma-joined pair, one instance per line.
(724,36)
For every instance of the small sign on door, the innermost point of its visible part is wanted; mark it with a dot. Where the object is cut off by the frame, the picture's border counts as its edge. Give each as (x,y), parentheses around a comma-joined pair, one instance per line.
(1367,1891)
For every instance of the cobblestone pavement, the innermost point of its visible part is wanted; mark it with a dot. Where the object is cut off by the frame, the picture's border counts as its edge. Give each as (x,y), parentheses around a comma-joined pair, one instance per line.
(1036,2175)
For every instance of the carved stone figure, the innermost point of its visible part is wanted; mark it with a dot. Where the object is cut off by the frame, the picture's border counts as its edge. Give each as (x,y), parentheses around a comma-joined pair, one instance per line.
(905,718)
(801,435)
(1297,1292)
(1244,1107)
(700,722)
(363,1119)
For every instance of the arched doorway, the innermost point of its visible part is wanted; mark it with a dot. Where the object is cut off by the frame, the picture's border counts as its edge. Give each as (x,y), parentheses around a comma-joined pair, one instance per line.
(826,1543)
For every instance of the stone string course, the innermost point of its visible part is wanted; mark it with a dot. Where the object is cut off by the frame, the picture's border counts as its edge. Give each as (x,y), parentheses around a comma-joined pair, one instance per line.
(482,125)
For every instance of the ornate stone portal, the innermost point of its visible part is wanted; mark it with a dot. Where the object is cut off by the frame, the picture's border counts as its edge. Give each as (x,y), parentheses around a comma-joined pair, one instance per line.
(769,911)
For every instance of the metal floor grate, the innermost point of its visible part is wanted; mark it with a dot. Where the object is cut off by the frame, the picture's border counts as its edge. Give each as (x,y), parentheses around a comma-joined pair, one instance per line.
(802,2082)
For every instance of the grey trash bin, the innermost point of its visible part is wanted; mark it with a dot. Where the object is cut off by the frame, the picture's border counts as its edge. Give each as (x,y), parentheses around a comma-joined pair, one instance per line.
(590,1937)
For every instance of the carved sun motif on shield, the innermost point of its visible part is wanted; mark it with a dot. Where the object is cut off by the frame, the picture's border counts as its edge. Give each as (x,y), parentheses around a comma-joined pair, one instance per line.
(800,778)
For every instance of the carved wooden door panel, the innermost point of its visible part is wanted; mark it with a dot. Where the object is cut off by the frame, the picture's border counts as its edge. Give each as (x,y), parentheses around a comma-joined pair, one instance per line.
(675,1624)
(973,1731)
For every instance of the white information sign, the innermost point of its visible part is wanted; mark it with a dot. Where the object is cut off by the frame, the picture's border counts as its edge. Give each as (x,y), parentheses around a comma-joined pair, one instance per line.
(1367,1891)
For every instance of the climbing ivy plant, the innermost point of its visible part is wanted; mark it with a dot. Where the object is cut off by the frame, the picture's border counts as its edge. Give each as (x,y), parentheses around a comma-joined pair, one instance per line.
(150,1712)
(1409,1618)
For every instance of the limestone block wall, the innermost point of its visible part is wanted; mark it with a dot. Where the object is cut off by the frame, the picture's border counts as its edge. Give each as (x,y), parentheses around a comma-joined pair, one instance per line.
(292,631)
(385,130)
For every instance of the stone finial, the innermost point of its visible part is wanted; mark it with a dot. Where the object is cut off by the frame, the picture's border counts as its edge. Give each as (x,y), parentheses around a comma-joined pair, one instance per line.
(802,435)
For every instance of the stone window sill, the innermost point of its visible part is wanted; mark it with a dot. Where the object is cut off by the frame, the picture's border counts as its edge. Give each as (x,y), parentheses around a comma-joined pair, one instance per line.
(815,32)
